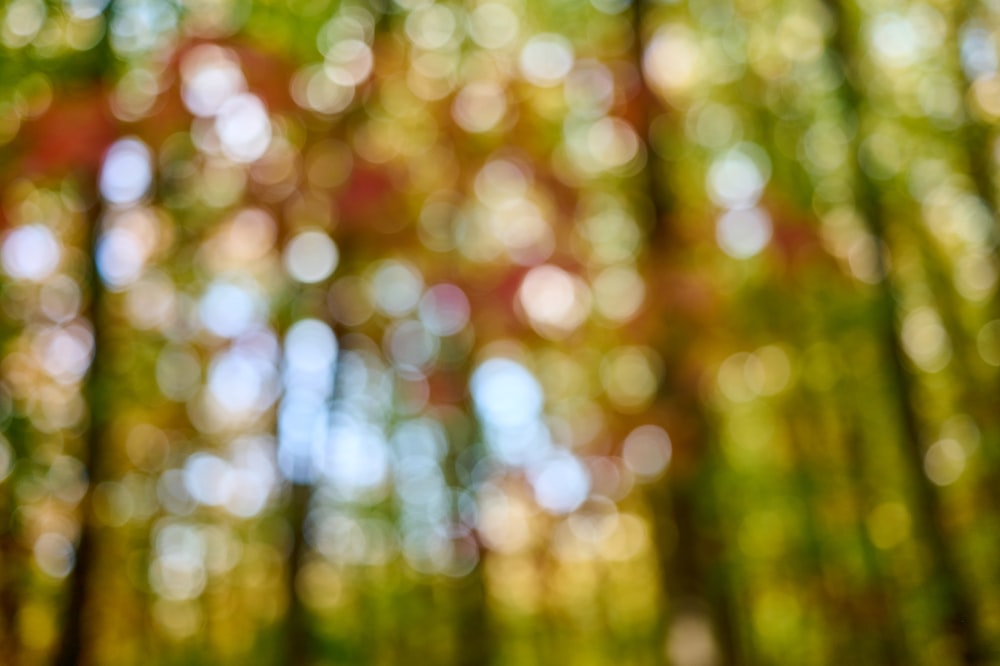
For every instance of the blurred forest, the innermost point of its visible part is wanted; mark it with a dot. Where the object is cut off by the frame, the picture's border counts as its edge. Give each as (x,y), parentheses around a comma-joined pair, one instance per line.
(499,332)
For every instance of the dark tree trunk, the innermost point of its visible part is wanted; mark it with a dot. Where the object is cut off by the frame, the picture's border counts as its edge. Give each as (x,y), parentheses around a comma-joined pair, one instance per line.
(72,643)
(686,533)
(298,646)
(958,606)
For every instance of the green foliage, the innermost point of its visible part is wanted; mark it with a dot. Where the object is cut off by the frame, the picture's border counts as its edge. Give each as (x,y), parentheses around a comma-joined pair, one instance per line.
(498,332)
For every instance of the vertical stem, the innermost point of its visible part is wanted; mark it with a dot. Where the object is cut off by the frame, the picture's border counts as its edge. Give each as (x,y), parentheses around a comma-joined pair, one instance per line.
(10,573)
(958,606)
(12,552)
(811,558)
(975,135)
(891,642)
(872,613)
(96,394)
(475,645)
(298,648)
(71,648)
(685,531)
(474,630)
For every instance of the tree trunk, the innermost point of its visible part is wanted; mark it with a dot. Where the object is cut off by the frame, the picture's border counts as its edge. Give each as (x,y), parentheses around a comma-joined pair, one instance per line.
(71,648)
(686,534)
(298,646)
(959,608)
